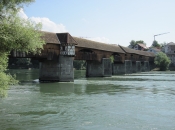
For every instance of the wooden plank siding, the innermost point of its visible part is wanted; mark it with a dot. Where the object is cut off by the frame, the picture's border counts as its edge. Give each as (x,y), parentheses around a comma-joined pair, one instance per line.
(84,49)
(137,55)
(97,50)
(49,51)
(96,55)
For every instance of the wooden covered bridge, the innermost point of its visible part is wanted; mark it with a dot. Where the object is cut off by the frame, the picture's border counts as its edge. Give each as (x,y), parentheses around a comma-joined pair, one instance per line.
(56,58)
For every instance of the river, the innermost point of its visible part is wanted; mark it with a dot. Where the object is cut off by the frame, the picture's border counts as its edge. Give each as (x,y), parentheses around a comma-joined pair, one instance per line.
(141,101)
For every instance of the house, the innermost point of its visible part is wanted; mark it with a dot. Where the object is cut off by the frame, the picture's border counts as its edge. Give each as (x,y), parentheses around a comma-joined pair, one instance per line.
(170,52)
(140,46)
(154,50)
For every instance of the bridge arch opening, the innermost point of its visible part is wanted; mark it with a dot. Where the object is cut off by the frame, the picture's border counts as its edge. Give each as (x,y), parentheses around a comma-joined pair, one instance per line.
(116,57)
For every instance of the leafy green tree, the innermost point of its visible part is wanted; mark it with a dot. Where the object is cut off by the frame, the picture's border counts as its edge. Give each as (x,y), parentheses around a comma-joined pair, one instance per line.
(79,64)
(15,34)
(156,44)
(162,61)
(163,44)
(112,59)
(12,5)
(133,43)
(140,42)
(23,61)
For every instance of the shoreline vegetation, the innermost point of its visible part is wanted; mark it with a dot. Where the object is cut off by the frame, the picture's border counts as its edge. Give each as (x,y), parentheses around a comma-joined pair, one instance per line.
(18,34)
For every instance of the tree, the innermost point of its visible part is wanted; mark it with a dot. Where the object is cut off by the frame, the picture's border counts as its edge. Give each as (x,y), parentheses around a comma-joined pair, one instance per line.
(15,34)
(163,44)
(13,5)
(140,42)
(112,59)
(23,61)
(79,64)
(133,43)
(155,44)
(162,61)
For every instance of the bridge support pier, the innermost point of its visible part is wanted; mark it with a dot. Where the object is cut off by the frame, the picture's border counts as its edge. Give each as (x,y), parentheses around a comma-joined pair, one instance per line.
(57,70)
(152,65)
(118,69)
(125,68)
(136,66)
(128,66)
(99,69)
(145,66)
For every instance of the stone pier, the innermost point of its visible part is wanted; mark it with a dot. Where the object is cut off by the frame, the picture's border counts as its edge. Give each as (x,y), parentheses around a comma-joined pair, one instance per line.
(136,66)
(118,69)
(152,66)
(146,66)
(128,66)
(125,68)
(60,69)
(99,69)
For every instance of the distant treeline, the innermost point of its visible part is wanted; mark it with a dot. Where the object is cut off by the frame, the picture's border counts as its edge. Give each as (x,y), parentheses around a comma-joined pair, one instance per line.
(79,64)
(24,63)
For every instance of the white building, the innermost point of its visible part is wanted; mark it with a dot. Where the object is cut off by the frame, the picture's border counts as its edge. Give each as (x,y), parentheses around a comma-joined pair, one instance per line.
(154,50)
(170,52)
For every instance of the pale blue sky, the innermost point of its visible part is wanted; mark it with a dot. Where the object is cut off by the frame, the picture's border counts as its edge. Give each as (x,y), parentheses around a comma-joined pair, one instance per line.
(111,21)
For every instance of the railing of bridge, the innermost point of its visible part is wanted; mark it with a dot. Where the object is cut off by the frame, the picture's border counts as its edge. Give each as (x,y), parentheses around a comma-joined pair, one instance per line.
(134,58)
(141,59)
(137,59)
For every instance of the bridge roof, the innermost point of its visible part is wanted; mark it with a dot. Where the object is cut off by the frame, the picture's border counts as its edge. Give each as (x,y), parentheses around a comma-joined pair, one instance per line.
(66,38)
(50,37)
(138,52)
(97,45)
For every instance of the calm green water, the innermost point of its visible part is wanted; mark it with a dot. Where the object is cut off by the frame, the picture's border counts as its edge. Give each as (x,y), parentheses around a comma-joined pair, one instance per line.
(142,101)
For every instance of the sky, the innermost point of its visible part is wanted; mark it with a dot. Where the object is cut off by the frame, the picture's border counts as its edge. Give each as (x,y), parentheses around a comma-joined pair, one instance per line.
(108,21)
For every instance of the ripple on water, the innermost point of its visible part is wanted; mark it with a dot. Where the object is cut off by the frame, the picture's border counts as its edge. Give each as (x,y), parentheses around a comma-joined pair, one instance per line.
(136,101)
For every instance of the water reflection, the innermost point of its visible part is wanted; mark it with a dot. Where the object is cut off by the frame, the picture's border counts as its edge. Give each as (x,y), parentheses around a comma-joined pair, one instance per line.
(109,89)
(136,101)
(59,88)
(84,88)
(25,75)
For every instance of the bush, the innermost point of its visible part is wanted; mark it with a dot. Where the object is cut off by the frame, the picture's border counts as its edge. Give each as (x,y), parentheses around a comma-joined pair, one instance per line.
(162,61)
(79,64)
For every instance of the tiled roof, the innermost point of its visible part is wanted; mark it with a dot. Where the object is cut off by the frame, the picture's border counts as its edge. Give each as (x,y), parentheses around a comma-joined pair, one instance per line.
(171,43)
(142,45)
(158,50)
(50,37)
(97,45)
(66,38)
(138,52)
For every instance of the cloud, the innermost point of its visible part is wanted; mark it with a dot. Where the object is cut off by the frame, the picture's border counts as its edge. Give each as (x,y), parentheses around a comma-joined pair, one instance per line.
(99,39)
(22,14)
(50,26)
(47,24)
